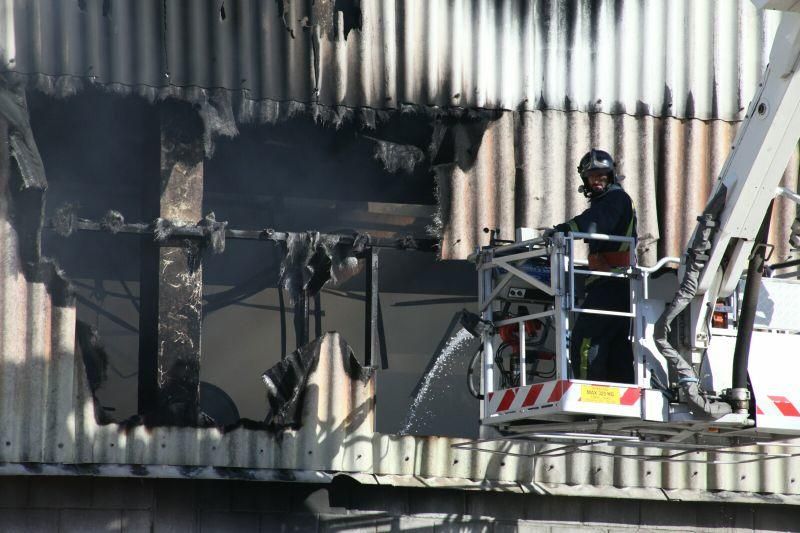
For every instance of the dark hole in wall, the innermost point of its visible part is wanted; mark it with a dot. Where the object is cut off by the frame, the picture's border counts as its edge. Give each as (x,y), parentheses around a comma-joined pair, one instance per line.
(300,158)
(300,176)
(99,151)
(351,16)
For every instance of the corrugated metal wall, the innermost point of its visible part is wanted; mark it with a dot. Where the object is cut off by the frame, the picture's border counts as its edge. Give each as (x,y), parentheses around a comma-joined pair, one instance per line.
(685,59)
(524,174)
(668,114)
(662,85)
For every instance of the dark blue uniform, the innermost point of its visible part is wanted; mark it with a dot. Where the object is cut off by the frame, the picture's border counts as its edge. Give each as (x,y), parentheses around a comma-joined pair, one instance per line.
(599,346)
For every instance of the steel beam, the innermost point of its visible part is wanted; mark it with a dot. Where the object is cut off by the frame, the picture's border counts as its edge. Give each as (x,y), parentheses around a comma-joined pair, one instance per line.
(419,244)
(175,388)
(301,319)
(371,340)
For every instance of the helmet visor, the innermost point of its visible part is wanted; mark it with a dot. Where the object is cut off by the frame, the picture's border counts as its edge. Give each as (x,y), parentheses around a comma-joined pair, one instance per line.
(591,162)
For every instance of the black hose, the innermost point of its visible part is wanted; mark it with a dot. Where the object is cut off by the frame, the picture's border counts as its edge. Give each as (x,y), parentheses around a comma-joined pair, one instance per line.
(471,372)
(696,261)
(747,316)
(506,377)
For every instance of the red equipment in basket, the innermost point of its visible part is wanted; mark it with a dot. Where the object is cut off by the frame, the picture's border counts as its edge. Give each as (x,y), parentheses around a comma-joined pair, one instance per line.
(509,333)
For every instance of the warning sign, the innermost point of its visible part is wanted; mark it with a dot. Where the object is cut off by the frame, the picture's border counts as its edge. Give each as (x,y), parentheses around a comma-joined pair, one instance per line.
(599,394)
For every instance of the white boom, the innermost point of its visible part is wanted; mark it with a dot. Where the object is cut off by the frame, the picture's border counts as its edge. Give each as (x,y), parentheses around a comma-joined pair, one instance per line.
(753,170)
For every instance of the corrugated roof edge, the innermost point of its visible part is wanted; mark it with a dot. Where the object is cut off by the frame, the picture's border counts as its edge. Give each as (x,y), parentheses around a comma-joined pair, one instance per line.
(248,110)
(694,60)
(325,477)
(223,109)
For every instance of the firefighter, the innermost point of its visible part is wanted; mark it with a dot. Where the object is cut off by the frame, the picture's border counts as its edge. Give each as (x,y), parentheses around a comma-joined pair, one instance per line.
(599,345)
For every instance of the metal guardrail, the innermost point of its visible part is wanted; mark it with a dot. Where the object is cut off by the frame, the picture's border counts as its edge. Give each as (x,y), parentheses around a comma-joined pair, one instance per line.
(497,273)
(646,271)
(507,259)
(600,273)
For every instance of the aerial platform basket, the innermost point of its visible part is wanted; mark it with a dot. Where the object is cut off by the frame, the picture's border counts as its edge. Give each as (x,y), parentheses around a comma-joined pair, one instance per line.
(536,280)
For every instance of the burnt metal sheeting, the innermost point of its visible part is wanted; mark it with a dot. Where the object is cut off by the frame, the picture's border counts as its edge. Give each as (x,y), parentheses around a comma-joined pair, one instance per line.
(524,174)
(287,382)
(683,58)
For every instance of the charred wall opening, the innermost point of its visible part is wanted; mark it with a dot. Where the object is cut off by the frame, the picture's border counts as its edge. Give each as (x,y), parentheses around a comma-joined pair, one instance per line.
(300,176)
(98,151)
(101,153)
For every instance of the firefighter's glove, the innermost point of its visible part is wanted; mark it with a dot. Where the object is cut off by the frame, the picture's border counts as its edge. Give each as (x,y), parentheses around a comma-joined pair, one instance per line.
(563,228)
(560,228)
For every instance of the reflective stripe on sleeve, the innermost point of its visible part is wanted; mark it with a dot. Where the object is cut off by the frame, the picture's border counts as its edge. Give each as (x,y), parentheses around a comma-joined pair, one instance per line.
(586,344)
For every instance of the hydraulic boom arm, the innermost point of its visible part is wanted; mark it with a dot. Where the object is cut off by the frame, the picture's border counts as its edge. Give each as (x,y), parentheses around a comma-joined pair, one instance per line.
(753,170)
(723,240)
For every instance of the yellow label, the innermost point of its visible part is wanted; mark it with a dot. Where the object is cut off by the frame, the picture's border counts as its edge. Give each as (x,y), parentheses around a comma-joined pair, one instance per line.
(599,394)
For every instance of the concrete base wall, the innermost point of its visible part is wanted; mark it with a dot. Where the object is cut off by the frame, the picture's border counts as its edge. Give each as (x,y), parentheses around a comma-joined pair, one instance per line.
(36,503)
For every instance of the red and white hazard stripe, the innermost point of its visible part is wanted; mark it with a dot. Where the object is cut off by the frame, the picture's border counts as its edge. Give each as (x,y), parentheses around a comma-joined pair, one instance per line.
(545,394)
(778,405)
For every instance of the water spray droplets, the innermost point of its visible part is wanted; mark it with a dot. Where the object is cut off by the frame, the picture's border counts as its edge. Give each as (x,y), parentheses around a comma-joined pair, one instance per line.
(442,366)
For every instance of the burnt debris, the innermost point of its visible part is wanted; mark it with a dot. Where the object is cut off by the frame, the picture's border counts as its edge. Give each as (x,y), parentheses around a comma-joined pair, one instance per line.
(283,14)
(312,259)
(213,233)
(95,358)
(95,363)
(396,157)
(112,221)
(65,220)
(162,229)
(26,182)
(217,232)
(216,112)
(286,384)
(14,109)
(287,381)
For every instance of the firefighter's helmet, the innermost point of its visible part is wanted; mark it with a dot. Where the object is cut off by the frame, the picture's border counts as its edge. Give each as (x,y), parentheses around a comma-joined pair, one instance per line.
(596,160)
